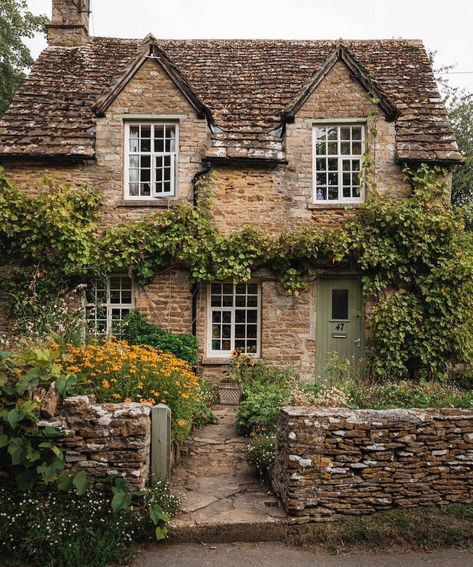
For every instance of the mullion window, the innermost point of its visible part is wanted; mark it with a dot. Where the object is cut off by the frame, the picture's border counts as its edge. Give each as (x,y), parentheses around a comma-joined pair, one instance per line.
(338,152)
(109,303)
(234,318)
(151,160)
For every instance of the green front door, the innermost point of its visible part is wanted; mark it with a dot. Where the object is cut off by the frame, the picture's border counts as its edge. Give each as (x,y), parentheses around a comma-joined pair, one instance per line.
(339,321)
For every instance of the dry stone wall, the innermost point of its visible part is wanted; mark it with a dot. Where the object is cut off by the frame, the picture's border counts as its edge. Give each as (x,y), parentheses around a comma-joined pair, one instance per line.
(331,462)
(107,439)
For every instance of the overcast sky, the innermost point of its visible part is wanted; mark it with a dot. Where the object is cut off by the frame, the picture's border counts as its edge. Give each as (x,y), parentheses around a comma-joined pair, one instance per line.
(445,26)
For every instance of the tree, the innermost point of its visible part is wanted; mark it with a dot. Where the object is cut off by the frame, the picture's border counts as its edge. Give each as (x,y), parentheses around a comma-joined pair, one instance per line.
(460,110)
(459,103)
(16,24)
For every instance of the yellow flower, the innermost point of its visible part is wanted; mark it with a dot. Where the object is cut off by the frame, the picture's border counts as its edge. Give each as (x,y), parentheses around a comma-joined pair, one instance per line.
(116,396)
(105,384)
(181,422)
(127,400)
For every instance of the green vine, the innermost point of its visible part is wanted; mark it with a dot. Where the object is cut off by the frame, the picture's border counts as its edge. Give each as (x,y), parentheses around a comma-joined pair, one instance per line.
(414,256)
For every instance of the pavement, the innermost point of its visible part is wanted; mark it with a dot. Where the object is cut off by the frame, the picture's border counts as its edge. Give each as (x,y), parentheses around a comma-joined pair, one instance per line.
(280,555)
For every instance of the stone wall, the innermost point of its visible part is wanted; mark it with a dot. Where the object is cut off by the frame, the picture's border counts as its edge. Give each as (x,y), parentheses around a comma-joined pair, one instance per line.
(107,439)
(332,462)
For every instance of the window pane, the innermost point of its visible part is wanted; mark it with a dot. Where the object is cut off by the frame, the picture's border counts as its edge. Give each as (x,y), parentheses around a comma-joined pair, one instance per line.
(252,301)
(340,304)
(332,133)
(252,316)
(333,193)
(356,148)
(216,317)
(345,133)
(321,149)
(332,164)
(320,133)
(356,133)
(252,289)
(321,193)
(345,148)
(332,148)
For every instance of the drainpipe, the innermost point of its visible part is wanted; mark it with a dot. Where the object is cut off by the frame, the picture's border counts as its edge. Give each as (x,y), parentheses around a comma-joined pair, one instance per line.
(195,287)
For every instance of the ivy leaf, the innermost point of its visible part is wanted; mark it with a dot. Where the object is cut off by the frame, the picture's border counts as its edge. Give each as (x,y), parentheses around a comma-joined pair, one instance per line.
(120,501)
(4,440)
(17,449)
(14,416)
(81,483)
(64,481)
(161,532)
(157,515)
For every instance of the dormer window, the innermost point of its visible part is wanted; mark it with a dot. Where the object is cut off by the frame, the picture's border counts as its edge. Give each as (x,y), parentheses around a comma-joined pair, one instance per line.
(150,160)
(338,154)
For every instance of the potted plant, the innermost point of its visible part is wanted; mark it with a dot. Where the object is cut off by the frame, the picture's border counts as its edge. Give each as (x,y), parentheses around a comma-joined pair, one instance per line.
(230,389)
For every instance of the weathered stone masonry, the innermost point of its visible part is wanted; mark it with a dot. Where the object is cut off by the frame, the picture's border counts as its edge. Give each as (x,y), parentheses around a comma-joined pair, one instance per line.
(107,439)
(336,462)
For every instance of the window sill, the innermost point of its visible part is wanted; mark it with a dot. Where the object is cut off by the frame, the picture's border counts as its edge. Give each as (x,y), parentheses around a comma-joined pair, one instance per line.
(145,203)
(216,361)
(318,206)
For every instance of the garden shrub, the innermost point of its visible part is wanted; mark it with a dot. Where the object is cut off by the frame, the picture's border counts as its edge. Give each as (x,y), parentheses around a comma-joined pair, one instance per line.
(28,453)
(268,391)
(116,371)
(58,530)
(138,330)
(261,452)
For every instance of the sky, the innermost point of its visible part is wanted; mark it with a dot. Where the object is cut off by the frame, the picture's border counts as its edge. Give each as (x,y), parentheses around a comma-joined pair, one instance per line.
(445,27)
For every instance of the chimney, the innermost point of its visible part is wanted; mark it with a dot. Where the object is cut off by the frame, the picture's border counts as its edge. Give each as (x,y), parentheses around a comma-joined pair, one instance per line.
(69,25)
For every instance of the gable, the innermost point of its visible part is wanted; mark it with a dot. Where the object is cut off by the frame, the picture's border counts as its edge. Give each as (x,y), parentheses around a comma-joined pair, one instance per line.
(341,57)
(150,91)
(338,95)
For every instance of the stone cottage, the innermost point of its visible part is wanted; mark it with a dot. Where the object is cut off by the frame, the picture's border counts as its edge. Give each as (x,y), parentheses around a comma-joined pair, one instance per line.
(284,124)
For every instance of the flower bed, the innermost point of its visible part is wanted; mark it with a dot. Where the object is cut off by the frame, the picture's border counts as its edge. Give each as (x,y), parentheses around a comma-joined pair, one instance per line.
(116,371)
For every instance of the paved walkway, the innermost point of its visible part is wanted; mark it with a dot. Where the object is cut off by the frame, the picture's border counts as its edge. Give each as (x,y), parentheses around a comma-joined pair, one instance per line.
(217,489)
(278,555)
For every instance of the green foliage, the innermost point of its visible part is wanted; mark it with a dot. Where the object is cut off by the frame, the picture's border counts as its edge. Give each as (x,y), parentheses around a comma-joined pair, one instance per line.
(262,398)
(54,530)
(28,452)
(16,24)
(138,330)
(414,256)
(261,452)
(407,394)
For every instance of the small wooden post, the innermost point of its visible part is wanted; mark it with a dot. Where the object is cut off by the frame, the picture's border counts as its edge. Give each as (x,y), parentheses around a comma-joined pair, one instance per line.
(161,442)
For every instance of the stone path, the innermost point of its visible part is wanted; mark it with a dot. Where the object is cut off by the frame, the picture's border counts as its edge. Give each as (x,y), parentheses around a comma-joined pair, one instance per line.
(220,496)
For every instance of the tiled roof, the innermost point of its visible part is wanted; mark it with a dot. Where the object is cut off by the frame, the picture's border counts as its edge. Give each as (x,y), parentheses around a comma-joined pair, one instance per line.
(246,85)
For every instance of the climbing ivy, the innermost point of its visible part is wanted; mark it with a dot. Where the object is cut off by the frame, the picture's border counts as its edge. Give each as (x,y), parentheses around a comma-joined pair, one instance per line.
(414,256)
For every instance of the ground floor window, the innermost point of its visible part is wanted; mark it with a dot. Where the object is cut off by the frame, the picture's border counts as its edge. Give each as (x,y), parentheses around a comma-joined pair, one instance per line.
(108,302)
(234,318)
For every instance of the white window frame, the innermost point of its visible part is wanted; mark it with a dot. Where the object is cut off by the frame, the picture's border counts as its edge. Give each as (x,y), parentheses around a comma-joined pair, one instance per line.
(174,161)
(108,305)
(340,157)
(226,354)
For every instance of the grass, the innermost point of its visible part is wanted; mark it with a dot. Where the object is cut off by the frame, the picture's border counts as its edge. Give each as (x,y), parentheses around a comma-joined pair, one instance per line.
(416,529)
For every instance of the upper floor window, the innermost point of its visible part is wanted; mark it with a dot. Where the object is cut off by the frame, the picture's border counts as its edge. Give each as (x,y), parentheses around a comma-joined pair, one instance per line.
(338,154)
(108,303)
(150,160)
